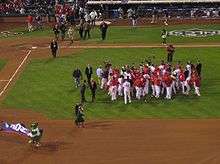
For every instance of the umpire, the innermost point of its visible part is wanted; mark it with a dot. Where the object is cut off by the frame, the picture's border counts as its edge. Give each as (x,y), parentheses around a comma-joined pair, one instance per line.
(54,48)
(103,28)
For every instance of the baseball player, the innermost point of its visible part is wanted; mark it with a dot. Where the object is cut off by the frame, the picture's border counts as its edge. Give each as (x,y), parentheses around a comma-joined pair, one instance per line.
(157,84)
(113,88)
(196,83)
(168,82)
(120,85)
(138,88)
(30,23)
(182,80)
(152,81)
(127,88)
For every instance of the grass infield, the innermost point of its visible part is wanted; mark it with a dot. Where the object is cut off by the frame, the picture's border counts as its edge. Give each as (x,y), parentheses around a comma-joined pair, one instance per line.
(46,86)
(150,35)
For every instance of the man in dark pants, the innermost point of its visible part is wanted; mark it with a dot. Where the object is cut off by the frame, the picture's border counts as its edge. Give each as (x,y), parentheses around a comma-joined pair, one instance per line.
(93,89)
(82,91)
(77,76)
(88,72)
(103,28)
(54,48)
(81,24)
(86,28)
(170,53)
(199,68)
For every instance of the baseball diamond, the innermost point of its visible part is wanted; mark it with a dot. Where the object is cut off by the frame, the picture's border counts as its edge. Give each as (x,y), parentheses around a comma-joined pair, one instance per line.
(102,82)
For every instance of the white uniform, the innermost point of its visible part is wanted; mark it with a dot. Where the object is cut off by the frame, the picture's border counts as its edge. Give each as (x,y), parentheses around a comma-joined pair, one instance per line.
(146,85)
(127,94)
(99,72)
(120,86)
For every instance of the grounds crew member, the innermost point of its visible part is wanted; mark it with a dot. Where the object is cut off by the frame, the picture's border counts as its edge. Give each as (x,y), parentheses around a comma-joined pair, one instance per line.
(103,28)
(36,134)
(54,48)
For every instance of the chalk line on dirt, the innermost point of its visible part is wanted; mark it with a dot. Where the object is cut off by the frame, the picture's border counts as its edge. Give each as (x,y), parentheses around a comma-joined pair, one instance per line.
(14,74)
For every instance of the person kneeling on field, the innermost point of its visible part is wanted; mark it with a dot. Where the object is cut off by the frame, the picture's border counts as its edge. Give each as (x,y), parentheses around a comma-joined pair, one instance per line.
(36,134)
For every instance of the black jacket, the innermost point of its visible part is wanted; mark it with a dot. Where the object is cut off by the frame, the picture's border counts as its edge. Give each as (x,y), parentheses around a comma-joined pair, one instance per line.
(53,46)
(88,71)
(77,73)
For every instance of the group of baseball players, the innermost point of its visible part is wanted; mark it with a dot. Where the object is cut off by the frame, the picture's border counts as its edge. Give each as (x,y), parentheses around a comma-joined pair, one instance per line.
(163,80)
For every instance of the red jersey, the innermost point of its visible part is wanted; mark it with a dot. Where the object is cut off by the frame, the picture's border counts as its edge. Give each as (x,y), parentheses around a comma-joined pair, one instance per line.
(146,70)
(168,81)
(157,81)
(197,81)
(30,19)
(182,76)
(114,82)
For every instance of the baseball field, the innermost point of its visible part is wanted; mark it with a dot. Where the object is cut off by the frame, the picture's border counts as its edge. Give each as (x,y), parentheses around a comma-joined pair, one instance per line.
(36,87)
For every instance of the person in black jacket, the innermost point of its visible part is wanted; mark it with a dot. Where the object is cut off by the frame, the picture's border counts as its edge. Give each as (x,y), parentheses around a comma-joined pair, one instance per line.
(83,91)
(54,48)
(103,28)
(93,89)
(88,72)
(56,32)
(77,76)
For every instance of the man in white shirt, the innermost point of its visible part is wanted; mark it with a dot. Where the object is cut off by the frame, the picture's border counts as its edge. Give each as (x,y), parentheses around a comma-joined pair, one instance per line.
(99,72)
(93,15)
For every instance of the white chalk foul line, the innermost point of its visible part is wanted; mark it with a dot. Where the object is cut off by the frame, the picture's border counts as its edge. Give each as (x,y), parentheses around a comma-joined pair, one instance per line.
(12,77)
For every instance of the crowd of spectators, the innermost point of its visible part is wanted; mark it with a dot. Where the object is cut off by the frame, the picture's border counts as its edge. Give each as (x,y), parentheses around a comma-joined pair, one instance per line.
(24,7)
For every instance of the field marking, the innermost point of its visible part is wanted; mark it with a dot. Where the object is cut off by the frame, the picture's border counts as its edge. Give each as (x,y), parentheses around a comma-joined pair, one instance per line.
(14,74)
(3,80)
(132,46)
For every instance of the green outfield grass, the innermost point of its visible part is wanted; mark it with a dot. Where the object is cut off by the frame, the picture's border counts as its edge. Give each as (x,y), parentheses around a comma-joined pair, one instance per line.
(2,63)
(150,35)
(46,86)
